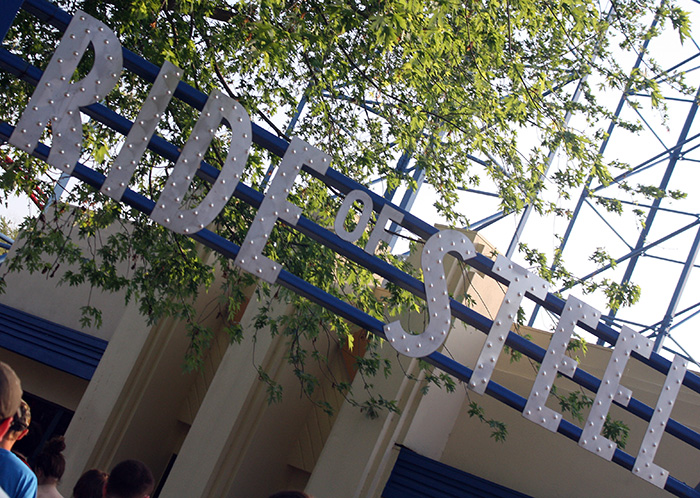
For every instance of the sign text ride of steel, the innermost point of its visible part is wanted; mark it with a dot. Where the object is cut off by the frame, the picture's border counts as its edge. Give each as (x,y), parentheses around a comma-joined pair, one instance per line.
(57,101)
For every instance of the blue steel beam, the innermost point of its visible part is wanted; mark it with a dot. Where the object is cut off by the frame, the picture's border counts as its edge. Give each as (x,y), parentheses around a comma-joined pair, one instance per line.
(686,310)
(409,197)
(649,163)
(488,221)
(609,225)
(669,260)
(401,166)
(603,146)
(652,328)
(645,206)
(677,293)
(290,128)
(10,8)
(684,353)
(634,253)
(553,152)
(58,190)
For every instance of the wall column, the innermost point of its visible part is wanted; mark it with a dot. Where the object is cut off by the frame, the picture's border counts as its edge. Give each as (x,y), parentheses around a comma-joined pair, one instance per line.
(216,443)
(101,398)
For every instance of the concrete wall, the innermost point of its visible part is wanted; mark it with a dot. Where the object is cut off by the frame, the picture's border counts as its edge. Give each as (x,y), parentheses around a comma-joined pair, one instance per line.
(52,385)
(242,445)
(40,293)
(140,401)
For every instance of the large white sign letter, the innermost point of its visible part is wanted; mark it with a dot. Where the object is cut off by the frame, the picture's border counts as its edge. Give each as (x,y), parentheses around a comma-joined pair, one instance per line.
(141,131)
(610,390)
(187,221)
(275,205)
(339,225)
(644,465)
(521,281)
(379,232)
(555,360)
(57,100)
(434,251)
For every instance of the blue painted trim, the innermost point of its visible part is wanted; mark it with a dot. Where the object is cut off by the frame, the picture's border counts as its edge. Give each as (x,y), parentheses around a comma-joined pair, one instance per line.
(49,343)
(417,476)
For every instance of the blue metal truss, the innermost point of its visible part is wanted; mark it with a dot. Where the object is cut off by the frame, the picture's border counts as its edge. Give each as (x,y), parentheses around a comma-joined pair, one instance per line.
(663,236)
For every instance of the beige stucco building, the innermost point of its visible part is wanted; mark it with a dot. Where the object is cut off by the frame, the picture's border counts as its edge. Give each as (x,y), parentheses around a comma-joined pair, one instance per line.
(213,433)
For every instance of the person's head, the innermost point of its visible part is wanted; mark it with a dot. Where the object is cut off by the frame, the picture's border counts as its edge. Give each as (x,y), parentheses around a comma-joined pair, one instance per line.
(10,396)
(50,464)
(91,484)
(129,479)
(19,427)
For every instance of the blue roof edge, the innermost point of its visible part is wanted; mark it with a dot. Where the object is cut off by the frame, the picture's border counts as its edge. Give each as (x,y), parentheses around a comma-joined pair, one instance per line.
(63,348)
(417,476)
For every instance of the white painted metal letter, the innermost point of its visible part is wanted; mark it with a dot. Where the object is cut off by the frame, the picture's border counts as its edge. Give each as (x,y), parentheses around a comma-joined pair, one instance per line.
(610,389)
(644,465)
(339,224)
(275,205)
(434,252)
(521,281)
(168,210)
(57,101)
(141,131)
(555,360)
(379,232)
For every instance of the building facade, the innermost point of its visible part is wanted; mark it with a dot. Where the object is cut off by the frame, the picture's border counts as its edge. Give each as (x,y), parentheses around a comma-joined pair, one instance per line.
(213,432)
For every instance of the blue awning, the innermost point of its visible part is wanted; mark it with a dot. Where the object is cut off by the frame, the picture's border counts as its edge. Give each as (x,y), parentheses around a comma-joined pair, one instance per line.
(416,476)
(60,347)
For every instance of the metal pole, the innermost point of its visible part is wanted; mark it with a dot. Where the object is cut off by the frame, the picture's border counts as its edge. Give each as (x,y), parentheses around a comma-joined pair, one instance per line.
(673,160)
(665,327)
(552,153)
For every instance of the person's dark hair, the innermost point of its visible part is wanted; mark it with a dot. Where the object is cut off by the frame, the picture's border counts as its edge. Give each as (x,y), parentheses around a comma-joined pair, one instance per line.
(290,494)
(50,461)
(91,484)
(129,479)
(22,418)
